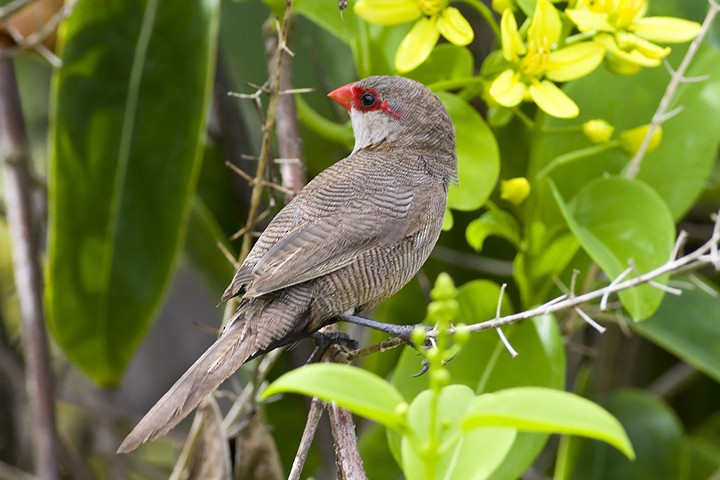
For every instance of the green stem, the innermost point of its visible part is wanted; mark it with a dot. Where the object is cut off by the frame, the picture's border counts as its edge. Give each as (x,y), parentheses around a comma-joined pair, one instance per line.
(454,83)
(321,125)
(487,14)
(575,156)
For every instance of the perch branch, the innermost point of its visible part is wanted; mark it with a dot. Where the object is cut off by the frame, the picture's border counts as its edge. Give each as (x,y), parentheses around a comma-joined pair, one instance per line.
(707,254)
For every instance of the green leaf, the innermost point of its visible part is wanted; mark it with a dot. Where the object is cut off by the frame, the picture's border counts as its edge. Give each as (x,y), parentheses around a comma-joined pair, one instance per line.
(478,157)
(654,431)
(687,326)
(678,169)
(373,46)
(126,140)
(353,388)
(446,62)
(481,451)
(547,410)
(485,365)
(620,222)
(473,454)
(494,222)
(452,402)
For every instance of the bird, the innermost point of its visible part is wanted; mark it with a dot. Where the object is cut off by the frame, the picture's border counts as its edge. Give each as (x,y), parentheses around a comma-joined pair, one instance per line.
(350,239)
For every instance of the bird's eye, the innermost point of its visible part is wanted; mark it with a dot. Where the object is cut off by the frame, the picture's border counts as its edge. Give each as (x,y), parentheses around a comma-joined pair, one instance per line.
(368,100)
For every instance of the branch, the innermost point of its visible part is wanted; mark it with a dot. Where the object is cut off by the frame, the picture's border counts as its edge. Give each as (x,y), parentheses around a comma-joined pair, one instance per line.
(292,169)
(28,278)
(313,419)
(707,254)
(677,77)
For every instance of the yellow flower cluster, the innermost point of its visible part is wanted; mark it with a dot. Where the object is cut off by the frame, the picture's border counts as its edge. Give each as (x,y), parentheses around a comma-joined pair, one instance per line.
(535,62)
(628,35)
(434,17)
(540,52)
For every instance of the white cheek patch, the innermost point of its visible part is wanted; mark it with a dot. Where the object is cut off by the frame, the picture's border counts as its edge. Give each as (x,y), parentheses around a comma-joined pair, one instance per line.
(370,127)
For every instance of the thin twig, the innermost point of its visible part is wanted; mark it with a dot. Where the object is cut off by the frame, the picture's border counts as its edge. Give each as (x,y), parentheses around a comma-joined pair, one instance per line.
(14,150)
(288,131)
(314,415)
(677,77)
(705,255)
(264,157)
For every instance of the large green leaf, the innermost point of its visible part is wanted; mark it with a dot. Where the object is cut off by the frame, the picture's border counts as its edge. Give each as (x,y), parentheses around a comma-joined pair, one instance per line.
(547,410)
(621,222)
(688,326)
(478,155)
(353,388)
(654,431)
(128,120)
(678,169)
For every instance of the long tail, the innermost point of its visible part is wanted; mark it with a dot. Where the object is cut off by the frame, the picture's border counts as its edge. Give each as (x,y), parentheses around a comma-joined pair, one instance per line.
(231,350)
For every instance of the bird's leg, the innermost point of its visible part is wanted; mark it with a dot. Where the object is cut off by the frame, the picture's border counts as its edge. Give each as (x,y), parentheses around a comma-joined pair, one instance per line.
(403,332)
(324,340)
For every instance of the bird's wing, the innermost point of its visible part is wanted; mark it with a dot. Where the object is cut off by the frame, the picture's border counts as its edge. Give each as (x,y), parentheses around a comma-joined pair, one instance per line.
(333,241)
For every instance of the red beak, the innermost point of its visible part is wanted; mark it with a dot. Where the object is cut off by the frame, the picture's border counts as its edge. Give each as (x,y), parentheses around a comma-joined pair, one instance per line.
(344,96)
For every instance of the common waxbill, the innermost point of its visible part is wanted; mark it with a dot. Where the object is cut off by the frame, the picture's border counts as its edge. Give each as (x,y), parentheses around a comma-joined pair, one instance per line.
(350,239)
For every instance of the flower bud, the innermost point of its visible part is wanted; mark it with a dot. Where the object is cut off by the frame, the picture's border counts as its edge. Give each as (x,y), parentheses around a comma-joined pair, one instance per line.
(444,288)
(418,336)
(440,377)
(598,131)
(515,190)
(462,335)
(630,140)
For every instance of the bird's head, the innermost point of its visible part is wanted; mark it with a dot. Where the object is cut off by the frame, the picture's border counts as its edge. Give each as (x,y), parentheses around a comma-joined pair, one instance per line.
(400,112)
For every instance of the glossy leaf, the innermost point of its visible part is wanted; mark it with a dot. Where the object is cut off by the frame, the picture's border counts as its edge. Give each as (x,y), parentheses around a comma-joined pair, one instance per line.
(687,326)
(621,222)
(547,410)
(655,434)
(494,222)
(678,169)
(478,156)
(353,388)
(486,366)
(126,147)
(452,402)
(447,62)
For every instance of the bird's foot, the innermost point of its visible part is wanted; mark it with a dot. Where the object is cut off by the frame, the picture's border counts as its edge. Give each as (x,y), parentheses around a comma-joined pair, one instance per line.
(404,332)
(326,340)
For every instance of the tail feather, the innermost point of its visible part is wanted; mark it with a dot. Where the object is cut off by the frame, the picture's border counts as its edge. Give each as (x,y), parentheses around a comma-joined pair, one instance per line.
(227,354)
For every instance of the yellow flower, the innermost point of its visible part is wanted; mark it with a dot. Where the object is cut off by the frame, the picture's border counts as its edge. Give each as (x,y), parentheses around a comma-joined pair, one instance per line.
(515,190)
(537,63)
(434,17)
(628,35)
(598,131)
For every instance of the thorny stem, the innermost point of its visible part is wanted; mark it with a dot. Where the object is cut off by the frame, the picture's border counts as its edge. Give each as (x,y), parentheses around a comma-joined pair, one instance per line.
(707,254)
(265,149)
(677,77)
(313,420)
(28,278)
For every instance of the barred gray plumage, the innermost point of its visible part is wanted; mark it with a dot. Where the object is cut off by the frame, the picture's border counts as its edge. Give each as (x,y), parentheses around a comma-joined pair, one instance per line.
(353,237)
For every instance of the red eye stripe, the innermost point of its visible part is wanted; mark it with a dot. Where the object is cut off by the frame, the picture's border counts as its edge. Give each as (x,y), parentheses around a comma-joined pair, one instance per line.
(380,104)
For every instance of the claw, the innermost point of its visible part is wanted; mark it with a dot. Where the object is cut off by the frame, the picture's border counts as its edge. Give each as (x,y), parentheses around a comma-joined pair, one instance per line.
(425,368)
(324,340)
